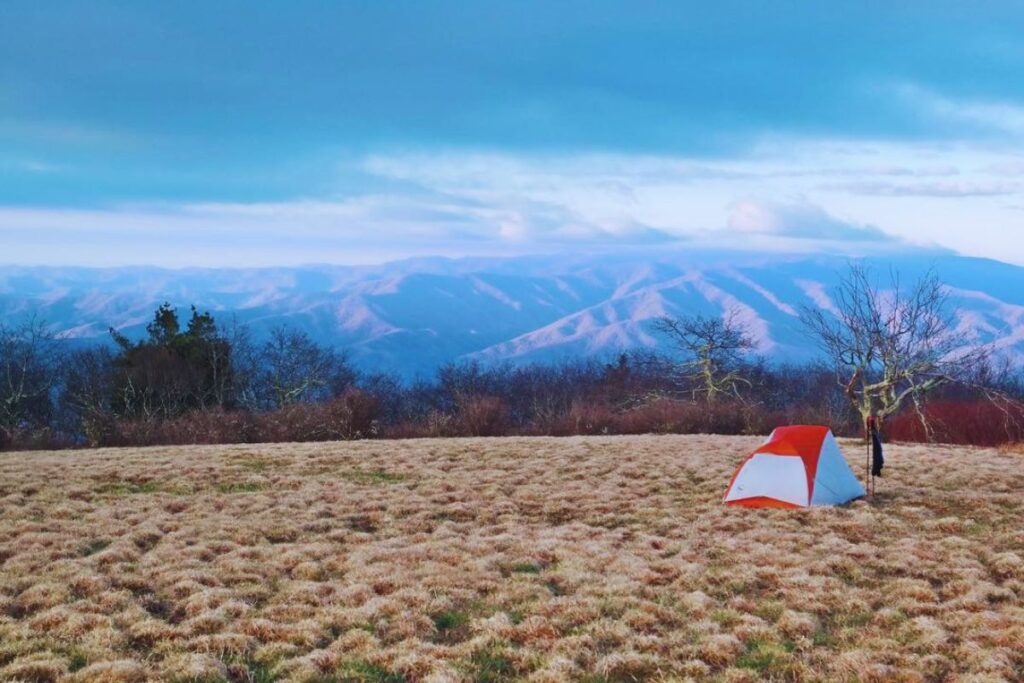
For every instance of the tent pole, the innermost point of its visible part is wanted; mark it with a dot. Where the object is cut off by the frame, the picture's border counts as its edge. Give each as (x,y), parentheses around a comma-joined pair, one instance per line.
(874,430)
(868,479)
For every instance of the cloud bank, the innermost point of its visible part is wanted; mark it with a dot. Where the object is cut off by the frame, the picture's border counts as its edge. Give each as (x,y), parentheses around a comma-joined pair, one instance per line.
(799,221)
(823,194)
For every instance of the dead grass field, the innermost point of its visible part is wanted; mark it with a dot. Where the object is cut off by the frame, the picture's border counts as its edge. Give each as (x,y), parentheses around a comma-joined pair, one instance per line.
(592,559)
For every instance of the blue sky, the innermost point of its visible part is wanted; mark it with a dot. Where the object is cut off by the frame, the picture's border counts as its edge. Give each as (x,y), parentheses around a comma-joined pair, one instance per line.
(239,133)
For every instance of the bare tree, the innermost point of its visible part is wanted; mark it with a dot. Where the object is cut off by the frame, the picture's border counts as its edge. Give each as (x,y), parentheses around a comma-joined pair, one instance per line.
(29,367)
(295,369)
(86,393)
(237,388)
(893,346)
(713,349)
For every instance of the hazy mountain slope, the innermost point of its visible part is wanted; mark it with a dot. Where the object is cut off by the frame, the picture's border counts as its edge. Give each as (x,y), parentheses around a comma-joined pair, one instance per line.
(409,316)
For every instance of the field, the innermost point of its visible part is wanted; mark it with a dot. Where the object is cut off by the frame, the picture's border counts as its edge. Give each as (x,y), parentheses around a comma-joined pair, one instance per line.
(590,558)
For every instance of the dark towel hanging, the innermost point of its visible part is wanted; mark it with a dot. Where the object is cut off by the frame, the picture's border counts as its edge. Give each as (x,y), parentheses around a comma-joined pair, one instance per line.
(877,460)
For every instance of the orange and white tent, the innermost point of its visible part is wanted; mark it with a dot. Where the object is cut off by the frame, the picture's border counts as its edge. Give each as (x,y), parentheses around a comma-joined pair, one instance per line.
(798,466)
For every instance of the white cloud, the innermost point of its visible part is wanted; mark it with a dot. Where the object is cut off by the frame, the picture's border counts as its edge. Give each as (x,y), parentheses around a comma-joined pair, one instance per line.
(799,221)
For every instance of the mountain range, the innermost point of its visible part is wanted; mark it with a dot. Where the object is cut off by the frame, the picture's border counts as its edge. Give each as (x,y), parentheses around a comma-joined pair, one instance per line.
(410,316)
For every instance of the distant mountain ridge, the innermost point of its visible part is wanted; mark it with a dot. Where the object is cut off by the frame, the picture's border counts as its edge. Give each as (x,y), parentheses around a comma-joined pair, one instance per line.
(411,316)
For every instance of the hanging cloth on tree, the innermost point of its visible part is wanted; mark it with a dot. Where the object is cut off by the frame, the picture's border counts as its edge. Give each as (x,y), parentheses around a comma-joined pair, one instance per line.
(877,459)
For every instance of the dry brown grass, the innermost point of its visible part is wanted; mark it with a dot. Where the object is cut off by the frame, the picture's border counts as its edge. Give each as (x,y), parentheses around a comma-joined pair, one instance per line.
(589,558)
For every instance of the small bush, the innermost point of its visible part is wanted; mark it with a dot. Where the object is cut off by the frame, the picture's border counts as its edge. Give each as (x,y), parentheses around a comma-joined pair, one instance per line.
(588,418)
(353,415)
(978,423)
(482,416)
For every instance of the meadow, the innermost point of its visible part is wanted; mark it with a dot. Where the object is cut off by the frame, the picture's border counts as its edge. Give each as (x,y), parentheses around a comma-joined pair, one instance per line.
(499,559)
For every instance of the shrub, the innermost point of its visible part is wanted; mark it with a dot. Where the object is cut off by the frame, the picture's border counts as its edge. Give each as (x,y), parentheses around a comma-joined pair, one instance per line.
(481,416)
(588,418)
(31,440)
(350,416)
(440,424)
(353,415)
(198,427)
(979,423)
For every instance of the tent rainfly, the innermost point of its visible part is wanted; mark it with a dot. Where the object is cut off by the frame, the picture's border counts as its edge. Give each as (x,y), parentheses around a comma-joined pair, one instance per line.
(798,466)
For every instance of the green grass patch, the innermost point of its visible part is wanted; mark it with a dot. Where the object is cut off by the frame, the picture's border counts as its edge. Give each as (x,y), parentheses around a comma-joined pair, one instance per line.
(251,463)
(361,671)
(209,678)
(492,665)
(770,611)
(129,488)
(767,658)
(611,610)
(372,477)
(446,621)
(854,619)
(76,660)
(823,638)
(258,672)
(250,670)
(525,568)
(242,486)
(452,625)
(975,528)
(726,618)
(612,522)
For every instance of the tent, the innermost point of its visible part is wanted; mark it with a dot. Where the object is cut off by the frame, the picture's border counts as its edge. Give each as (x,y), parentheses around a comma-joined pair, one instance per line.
(798,466)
